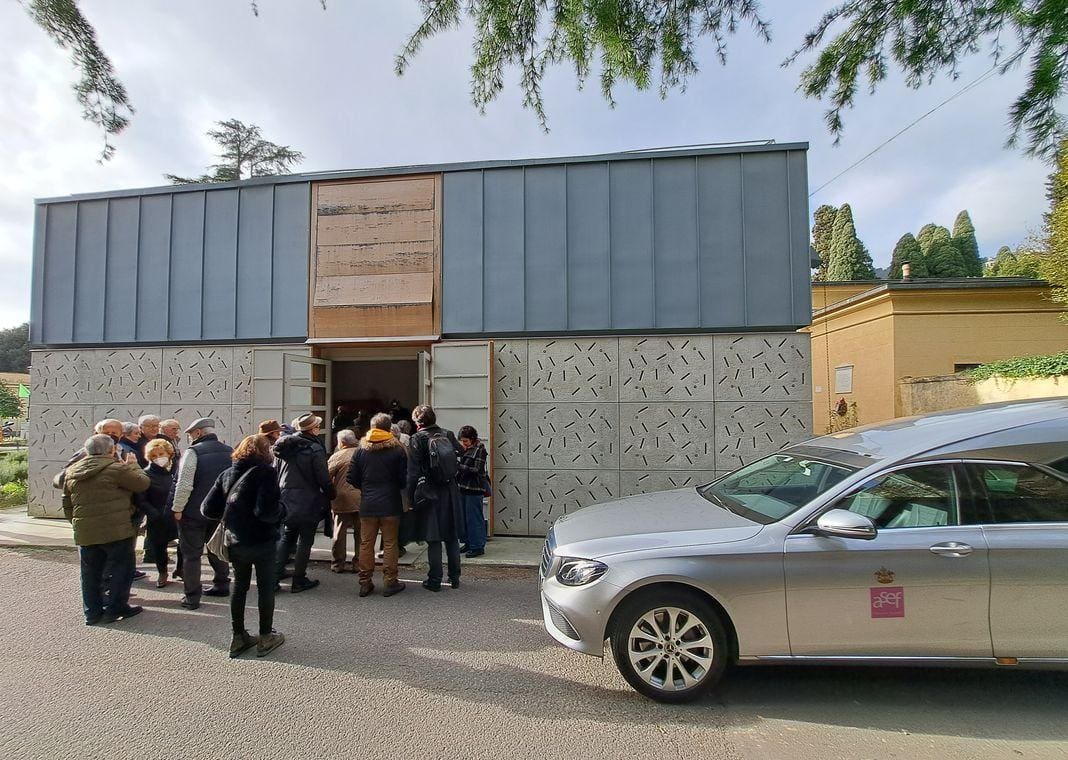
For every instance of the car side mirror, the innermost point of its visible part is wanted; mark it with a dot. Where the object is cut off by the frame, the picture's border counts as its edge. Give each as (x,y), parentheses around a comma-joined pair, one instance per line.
(841,523)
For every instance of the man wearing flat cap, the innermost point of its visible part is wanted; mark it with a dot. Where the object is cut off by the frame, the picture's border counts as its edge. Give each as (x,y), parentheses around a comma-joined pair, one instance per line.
(307,490)
(201,464)
(272,430)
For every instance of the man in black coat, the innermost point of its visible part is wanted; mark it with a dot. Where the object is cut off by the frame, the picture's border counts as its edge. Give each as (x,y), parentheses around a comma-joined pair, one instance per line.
(439,511)
(307,490)
(201,465)
(379,469)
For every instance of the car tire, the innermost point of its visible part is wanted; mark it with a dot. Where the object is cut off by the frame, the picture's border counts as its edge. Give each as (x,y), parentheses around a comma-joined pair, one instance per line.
(695,654)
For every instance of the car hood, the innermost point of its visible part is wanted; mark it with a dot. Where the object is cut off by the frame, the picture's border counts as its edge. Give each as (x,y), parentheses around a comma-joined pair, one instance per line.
(654,520)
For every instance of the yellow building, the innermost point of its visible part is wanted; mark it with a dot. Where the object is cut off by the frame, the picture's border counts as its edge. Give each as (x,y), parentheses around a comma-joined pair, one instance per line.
(867,336)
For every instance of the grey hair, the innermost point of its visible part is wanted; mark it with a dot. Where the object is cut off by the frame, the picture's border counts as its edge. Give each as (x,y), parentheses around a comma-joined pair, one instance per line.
(98,445)
(129,427)
(99,427)
(170,423)
(346,437)
(147,418)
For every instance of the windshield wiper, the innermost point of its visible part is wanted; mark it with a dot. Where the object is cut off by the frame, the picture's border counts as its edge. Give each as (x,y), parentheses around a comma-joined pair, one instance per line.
(716,499)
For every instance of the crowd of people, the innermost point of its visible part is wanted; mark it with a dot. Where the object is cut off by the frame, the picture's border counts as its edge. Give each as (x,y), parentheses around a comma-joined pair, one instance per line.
(257,507)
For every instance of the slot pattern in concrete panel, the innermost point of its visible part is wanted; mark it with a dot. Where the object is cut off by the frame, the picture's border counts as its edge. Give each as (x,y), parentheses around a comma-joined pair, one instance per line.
(510,502)
(666,369)
(554,494)
(54,432)
(770,367)
(200,375)
(634,482)
(746,432)
(643,413)
(573,436)
(573,370)
(667,436)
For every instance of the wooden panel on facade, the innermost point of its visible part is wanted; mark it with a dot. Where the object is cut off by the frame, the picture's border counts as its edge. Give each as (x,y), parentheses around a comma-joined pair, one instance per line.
(374,290)
(381,258)
(376,266)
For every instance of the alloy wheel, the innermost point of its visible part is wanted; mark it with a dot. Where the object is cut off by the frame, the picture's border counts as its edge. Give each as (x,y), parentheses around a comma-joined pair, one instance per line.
(670,649)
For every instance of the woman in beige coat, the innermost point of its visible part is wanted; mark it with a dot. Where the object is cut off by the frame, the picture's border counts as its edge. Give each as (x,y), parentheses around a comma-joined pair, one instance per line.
(346,507)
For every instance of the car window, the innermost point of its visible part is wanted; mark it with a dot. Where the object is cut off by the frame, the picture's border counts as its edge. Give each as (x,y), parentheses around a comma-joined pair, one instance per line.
(917,497)
(1018,494)
(776,486)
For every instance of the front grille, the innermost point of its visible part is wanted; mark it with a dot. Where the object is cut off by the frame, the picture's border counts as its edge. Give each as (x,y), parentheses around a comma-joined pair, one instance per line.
(547,554)
(561,622)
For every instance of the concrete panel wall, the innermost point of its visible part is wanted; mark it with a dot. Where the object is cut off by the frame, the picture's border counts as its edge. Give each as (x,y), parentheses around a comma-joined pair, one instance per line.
(706,242)
(71,390)
(582,420)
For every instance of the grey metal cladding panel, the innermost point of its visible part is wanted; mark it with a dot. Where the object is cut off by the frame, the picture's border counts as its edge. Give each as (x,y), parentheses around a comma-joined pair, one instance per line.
(124,217)
(40,232)
(60,243)
(502,250)
(186,266)
(289,289)
(631,221)
(545,295)
(254,239)
(675,243)
(220,264)
(797,164)
(720,241)
(89,286)
(462,253)
(766,221)
(589,295)
(153,267)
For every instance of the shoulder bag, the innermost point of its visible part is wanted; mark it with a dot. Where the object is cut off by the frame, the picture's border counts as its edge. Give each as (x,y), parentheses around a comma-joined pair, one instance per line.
(217,543)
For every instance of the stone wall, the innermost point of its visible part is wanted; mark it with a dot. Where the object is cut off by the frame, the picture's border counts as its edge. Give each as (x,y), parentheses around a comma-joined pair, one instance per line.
(583,420)
(72,389)
(921,395)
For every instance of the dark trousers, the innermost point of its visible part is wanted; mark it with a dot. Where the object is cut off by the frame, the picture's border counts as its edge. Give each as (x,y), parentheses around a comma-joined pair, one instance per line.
(157,537)
(433,555)
(476,523)
(300,535)
(191,539)
(244,559)
(117,557)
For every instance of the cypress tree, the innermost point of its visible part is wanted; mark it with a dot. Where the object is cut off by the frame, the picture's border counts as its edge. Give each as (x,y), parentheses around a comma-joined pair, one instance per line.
(849,259)
(945,260)
(931,235)
(1004,261)
(822,232)
(907,249)
(1055,262)
(964,239)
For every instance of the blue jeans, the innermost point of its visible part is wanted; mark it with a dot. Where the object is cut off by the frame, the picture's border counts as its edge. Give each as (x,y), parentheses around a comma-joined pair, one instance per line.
(117,557)
(476,523)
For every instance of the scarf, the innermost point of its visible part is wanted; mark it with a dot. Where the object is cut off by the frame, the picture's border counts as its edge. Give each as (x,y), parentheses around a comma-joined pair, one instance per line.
(374,435)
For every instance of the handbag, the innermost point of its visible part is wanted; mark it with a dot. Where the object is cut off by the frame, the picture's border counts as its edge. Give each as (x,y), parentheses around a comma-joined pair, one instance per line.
(217,543)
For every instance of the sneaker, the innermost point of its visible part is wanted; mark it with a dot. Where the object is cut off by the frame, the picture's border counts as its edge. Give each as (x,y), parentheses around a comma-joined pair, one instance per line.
(392,589)
(129,612)
(454,582)
(337,569)
(162,580)
(95,620)
(269,642)
(217,591)
(431,586)
(190,604)
(241,643)
(463,548)
(367,590)
(302,584)
(472,555)
(139,574)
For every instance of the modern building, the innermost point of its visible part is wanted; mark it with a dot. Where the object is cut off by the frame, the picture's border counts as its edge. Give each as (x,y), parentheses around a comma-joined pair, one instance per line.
(611,324)
(867,336)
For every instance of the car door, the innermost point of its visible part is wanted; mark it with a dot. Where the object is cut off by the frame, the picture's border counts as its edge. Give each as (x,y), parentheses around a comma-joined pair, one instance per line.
(920,588)
(1023,511)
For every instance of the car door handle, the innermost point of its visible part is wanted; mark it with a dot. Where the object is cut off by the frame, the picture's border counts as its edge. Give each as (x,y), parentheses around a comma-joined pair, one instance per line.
(951,549)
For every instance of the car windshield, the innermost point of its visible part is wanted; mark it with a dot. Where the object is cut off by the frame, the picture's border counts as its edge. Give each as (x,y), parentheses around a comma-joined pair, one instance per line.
(772,488)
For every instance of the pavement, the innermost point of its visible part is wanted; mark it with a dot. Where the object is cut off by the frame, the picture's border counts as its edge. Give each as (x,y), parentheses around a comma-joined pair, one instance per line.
(17,528)
(466,673)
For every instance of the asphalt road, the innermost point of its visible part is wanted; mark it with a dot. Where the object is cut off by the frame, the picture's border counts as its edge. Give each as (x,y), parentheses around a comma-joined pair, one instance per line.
(462,674)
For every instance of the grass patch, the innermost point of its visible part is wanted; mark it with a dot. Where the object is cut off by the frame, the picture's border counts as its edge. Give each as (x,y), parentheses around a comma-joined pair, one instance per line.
(14,468)
(1052,365)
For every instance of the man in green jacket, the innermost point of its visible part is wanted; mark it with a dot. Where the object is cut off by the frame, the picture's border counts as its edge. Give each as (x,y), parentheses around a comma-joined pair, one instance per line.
(98,500)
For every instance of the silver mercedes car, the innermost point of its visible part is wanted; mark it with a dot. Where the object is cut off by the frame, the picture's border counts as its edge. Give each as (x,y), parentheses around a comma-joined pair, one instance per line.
(935,540)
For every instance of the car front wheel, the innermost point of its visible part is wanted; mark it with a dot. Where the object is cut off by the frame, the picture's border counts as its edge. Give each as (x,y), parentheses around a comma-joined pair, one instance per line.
(670,646)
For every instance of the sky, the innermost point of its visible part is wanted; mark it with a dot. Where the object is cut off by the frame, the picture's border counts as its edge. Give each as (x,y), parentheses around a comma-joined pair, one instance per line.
(323,83)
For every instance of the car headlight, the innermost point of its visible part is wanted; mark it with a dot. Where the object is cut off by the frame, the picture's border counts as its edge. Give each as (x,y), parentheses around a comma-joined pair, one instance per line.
(579,572)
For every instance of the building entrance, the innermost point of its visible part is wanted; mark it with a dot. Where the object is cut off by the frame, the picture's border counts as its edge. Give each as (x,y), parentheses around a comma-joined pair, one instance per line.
(362,388)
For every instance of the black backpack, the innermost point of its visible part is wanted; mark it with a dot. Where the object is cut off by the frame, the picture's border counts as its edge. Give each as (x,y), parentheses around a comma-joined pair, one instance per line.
(443,463)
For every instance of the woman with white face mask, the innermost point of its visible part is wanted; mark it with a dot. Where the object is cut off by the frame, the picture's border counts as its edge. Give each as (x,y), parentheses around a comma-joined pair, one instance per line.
(155,504)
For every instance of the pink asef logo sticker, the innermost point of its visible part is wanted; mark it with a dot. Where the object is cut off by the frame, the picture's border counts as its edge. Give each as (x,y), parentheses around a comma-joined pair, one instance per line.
(888,602)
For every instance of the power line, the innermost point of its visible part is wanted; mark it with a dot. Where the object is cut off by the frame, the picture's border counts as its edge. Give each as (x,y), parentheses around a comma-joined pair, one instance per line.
(975,83)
